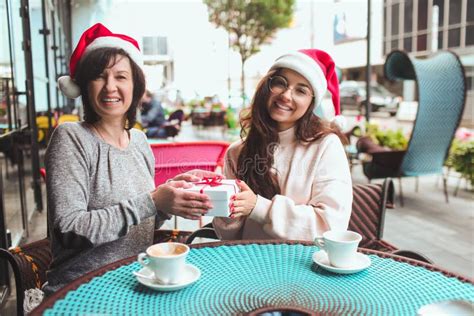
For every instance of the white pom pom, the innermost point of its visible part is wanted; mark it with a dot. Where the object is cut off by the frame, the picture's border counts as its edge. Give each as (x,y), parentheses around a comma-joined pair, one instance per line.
(69,87)
(340,121)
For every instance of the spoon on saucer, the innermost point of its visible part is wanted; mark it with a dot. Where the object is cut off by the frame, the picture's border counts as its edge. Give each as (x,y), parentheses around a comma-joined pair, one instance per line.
(149,278)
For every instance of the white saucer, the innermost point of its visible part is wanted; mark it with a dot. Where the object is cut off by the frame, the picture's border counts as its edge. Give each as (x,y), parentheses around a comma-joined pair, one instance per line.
(361,262)
(190,275)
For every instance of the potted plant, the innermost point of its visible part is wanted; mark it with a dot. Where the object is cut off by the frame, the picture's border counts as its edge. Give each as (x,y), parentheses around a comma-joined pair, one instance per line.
(388,138)
(461,155)
(375,139)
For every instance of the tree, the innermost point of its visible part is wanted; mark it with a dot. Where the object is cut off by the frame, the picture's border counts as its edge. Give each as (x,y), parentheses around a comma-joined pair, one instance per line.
(250,23)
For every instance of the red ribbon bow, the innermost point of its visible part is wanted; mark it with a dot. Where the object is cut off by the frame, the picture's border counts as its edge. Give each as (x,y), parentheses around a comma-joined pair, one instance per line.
(213,182)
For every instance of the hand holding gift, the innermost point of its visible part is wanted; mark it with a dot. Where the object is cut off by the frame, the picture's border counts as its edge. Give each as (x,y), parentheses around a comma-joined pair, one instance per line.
(170,199)
(242,203)
(219,192)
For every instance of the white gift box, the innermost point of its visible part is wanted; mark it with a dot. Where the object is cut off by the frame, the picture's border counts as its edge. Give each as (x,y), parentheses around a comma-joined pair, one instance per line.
(219,194)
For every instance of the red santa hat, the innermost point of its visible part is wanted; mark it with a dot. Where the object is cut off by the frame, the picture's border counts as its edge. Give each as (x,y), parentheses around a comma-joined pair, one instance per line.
(97,36)
(320,70)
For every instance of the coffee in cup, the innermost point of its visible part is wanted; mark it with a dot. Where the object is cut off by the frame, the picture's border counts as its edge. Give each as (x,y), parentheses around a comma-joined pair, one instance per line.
(340,246)
(166,260)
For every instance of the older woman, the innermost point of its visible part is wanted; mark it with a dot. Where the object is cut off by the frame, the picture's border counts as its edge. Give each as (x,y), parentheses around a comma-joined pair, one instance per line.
(102,202)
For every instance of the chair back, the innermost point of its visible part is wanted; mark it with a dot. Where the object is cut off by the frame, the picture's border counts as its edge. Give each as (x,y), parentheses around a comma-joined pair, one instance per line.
(29,264)
(441,100)
(42,124)
(68,118)
(172,159)
(174,235)
(176,115)
(368,211)
(138,126)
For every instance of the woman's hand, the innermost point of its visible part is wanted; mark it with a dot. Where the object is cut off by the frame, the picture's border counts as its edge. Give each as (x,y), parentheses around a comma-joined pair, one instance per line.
(195,175)
(171,200)
(243,202)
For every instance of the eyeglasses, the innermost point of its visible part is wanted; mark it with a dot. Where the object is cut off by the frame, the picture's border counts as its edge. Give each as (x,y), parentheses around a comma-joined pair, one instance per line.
(279,85)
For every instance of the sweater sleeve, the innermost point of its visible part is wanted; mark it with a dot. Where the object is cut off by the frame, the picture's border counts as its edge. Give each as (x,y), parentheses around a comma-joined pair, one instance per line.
(68,168)
(329,207)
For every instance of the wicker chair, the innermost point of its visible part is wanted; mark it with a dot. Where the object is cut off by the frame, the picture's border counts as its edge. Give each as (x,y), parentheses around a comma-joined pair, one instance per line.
(369,204)
(368,213)
(207,231)
(174,158)
(172,235)
(31,261)
(29,264)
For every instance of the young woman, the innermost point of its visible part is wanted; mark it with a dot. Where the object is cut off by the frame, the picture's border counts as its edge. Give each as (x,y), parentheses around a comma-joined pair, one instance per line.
(290,164)
(102,202)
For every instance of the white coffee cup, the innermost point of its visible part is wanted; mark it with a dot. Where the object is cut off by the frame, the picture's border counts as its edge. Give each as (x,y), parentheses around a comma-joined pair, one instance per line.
(167,261)
(340,246)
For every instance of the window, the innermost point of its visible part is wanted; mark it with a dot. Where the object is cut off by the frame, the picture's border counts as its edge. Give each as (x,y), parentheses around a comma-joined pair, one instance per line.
(408,23)
(454,37)
(455,11)
(40,79)
(5,70)
(422,15)
(414,33)
(19,68)
(385,20)
(394,44)
(407,46)
(470,35)
(421,43)
(14,74)
(395,17)
(469,70)
(155,45)
(440,4)
(470,14)
(440,39)
(385,29)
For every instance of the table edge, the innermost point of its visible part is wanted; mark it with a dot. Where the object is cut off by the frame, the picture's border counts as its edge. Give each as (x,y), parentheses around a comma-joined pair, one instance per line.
(51,300)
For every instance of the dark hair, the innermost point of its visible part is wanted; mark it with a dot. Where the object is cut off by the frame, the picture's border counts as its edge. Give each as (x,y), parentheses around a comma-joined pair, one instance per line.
(259,135)
(90,68)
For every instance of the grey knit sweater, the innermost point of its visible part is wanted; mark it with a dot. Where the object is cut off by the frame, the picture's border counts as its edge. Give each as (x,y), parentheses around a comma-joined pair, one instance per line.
(99,205)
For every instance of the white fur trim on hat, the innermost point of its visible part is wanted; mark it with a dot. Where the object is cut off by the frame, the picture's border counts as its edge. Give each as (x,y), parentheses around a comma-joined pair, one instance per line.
(115,42)
(340,121)
(69,87)
(308,68)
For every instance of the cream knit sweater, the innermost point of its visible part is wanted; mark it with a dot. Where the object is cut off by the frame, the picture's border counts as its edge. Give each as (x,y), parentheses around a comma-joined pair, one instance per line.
(316,192)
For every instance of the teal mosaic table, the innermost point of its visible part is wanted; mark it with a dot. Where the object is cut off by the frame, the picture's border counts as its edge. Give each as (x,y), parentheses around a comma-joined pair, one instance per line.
(241,277)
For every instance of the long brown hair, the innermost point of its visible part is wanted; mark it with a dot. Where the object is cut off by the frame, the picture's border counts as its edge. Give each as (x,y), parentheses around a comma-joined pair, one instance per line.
(259,136)
(90,68)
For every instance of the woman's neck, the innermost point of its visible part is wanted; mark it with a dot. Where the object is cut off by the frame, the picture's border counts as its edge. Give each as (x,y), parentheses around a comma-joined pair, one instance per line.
(287,136)
(112,132)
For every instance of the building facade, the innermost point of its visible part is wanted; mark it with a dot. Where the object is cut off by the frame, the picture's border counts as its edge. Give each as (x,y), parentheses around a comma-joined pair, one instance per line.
(422,27)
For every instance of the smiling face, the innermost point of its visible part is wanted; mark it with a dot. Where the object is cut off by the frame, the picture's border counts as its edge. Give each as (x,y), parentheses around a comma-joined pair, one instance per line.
(286,105)
(111,93)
